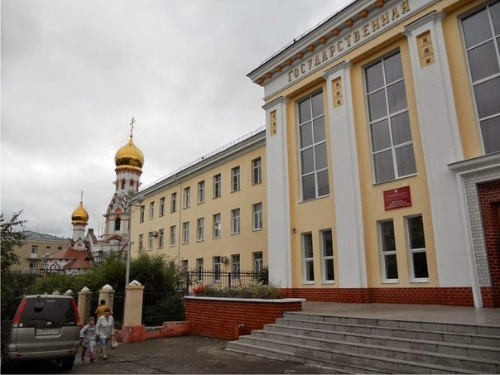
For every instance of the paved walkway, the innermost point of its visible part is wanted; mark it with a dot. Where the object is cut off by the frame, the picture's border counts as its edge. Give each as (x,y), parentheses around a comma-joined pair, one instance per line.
(422,313)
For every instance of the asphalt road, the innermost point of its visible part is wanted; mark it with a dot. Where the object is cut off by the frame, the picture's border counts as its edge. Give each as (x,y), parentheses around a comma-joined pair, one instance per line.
(175,355)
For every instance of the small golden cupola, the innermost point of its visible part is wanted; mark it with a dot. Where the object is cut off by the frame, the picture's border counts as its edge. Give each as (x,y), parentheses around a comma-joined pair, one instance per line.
(80,215)
(129,156)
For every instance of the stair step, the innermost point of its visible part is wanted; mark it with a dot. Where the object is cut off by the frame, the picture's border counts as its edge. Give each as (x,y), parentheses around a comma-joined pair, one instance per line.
(457,349)
(296,344)
(491,331)
(349,362)
(391,330)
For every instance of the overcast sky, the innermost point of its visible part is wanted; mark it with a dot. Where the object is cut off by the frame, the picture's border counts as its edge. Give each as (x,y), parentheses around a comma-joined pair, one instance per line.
(74,73)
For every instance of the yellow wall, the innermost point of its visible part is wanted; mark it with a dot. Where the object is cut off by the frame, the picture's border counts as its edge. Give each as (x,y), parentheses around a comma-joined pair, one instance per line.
(45,246)
(245,243)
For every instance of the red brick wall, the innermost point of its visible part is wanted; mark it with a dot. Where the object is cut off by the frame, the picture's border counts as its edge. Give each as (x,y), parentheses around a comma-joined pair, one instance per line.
(489,198)
(230,318)
(424,296)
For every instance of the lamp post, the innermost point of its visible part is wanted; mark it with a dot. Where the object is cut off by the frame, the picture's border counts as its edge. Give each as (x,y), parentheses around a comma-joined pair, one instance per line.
(126,198)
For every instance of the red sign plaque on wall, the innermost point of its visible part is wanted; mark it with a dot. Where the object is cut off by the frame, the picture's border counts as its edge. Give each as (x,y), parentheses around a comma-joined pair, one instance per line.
(397,198)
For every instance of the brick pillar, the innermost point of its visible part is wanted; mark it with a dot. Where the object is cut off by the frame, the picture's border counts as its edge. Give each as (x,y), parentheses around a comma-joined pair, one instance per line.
(132,329)
(84,297)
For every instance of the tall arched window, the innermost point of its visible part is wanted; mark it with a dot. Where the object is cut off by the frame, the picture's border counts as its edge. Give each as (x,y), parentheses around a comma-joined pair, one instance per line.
(117,224)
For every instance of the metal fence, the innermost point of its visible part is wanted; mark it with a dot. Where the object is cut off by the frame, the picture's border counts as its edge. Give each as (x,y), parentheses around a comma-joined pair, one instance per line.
(223,279)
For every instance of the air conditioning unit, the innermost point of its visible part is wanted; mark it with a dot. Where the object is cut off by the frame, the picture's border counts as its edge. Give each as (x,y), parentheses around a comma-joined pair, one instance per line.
(155,233)
(224,259)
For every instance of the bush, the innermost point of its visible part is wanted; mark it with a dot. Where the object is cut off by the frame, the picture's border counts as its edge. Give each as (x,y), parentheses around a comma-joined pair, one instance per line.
(252,290)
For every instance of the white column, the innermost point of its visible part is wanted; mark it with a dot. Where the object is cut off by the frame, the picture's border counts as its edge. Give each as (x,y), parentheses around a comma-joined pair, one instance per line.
(351,259)
(278,196)
(441,144)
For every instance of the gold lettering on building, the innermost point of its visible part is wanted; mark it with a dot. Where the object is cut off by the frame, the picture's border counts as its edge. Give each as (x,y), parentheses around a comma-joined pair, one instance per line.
(375,24)
(405,7)
(385,18)
(317,61)
(357,36)
(395,13)
(325,56)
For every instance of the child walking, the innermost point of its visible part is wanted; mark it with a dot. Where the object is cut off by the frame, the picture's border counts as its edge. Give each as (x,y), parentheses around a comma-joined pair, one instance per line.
(88,339)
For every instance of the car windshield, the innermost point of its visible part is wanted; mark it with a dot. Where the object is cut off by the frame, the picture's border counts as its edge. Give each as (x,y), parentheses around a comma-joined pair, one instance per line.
(48,312)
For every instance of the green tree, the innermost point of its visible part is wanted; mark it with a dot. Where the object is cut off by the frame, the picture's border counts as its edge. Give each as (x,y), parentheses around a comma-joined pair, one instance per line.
(12,236)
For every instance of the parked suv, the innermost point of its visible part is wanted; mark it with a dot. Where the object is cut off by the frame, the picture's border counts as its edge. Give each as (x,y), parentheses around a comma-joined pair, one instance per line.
(43,327)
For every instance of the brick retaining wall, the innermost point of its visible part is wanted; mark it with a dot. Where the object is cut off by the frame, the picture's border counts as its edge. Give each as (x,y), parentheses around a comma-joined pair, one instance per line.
(228,318)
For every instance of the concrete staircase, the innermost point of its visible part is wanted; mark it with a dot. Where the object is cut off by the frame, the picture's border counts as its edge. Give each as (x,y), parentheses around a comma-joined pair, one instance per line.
(359,345)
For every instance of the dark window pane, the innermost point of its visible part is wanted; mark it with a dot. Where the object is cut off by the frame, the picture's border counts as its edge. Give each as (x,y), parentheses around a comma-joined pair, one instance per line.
(317,105)
(490,130)
(327,243)
(308,187)
(495,16)
(384,167)
(329,272)
(387,233)
(377,105)
(416,229)
(406,160)
(310,271)
(476,28)
(306,135)
(380,135)
(391,267)
(374,77)
(307,161)
(396,96)
(319,129)
(487,97)
(308,246)
(420,265)
(483,61)
(393,68)
(304,111)
(400,126)
(320,156)
(323,187)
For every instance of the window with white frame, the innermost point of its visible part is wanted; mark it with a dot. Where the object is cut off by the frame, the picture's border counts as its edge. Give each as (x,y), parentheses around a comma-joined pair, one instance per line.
(388,250)
(161,238)
(235,179)
(34,249)
(327,256)
(150,240)
(151,210)
(217,263)
(235,221)
(201,191)
(391,139)
(312,146)
(162,206)
(199,269)
(141,242)
(200,229)
(482,41)
(307,258)
(217,225)
(217,185)
(256,171)
(185,232)
(416,247)
(187,197)
(235,266)
(173,202)
(172,235)
(258,261)
(142,211)
(257,216)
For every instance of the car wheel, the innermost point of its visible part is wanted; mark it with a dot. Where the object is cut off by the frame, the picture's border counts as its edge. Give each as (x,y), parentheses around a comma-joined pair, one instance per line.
(67,363)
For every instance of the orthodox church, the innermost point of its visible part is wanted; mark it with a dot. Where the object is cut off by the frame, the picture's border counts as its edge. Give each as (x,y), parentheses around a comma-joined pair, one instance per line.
(85,249)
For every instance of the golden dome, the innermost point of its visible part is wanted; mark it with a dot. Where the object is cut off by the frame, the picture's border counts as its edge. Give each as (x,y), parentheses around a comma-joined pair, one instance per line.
(129,156)
(80,215)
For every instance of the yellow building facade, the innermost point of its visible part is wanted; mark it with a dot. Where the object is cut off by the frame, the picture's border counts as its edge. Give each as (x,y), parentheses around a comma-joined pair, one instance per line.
(211,214)
(383,154)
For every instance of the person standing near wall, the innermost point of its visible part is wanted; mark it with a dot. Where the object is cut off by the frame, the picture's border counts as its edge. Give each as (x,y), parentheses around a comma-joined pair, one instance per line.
(100,309)
(105,330)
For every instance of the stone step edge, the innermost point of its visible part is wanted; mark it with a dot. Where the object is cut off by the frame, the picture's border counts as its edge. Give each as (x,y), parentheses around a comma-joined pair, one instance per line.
(369,346)
(381,337)
(431,366)
(480,335)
